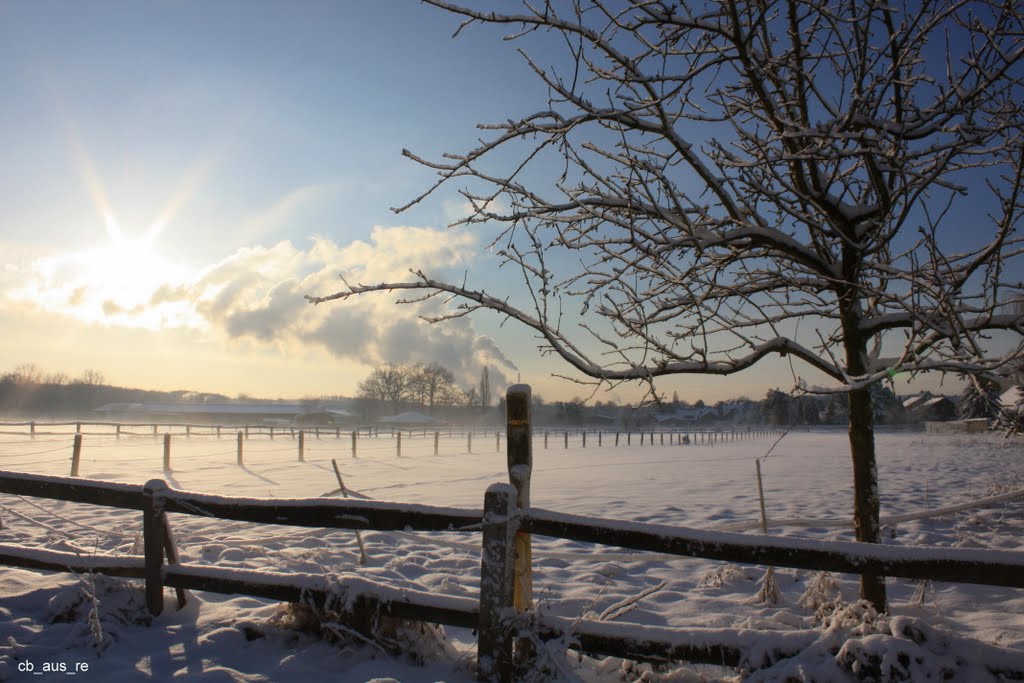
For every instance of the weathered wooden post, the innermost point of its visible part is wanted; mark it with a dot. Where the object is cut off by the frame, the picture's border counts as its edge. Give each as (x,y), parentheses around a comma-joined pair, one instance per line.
(302,446)
(154,538)
(76,455)
(437,438)
(584,438)
(32,429)
(78,427)
(616,439)
(354,432)
(519,441)
(239,447)
(167,452)
(497,441)
(218,431)
(117,432)
(599,439)
(469,441)
(566,442)
(398,445)
(188,430)
(545,440)
(497,584)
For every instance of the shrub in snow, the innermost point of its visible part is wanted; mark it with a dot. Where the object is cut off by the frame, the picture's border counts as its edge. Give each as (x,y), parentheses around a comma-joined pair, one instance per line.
(821,597)
(768,593)
(97,608)
(416,640)
(859,643)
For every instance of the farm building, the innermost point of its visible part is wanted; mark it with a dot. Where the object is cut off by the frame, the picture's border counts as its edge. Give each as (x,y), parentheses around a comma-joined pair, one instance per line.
(214,413)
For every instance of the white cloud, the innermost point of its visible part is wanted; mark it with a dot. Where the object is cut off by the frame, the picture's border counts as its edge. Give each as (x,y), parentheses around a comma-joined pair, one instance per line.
(256,295)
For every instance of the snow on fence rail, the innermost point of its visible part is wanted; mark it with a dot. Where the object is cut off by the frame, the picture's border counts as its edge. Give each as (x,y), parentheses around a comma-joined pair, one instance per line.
(504,525)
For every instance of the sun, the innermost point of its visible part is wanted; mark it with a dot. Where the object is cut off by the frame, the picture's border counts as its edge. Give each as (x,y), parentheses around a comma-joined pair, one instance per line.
(127,271)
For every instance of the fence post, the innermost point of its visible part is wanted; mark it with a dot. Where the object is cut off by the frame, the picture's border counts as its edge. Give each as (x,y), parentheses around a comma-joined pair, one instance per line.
(566,441)
(302,446)
(398,445)
(545,440)
(497,579)
(239,447)
(117,433)
(154,534)
(497,441)
(354,432)
(167,451)
(76,455)
(599,439)
(519,442)
(32,429)
(469,441)
(437,437)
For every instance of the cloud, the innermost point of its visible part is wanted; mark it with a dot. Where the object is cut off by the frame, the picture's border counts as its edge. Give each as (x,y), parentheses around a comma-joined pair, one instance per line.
(256,295)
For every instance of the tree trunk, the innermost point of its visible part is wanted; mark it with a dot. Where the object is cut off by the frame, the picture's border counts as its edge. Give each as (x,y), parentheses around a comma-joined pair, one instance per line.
(865,489)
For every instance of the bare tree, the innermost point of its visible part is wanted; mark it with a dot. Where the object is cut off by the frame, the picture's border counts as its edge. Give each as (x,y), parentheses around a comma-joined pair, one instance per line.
(91,377)
(26,373)
(58,378)
(433,384)
(388,384)
(837,182)
(485,388)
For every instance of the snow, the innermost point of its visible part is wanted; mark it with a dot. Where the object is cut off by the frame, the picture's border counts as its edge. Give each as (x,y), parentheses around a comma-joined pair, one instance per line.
(927,483)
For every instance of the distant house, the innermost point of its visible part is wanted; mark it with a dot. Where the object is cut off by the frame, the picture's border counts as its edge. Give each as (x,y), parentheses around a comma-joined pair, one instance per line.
(1012,400)
(926,407)
(334,416)
(683,417)
(599,419)
(409,420)
(217,413)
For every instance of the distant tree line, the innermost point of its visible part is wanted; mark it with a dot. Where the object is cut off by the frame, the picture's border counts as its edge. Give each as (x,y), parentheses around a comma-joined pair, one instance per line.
(28,390)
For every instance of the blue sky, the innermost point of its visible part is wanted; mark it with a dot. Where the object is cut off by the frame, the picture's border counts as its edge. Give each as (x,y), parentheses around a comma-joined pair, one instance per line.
(177,174)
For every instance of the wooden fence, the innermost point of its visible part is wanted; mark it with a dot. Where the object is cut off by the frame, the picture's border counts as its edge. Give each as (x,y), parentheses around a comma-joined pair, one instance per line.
(504,522)
(356,436)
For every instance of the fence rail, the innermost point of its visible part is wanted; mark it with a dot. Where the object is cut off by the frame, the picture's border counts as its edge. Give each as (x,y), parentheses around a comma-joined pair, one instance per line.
(504,523)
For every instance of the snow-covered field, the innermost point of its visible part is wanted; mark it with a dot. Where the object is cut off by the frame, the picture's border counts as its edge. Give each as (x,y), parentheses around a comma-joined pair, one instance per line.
(960,629)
